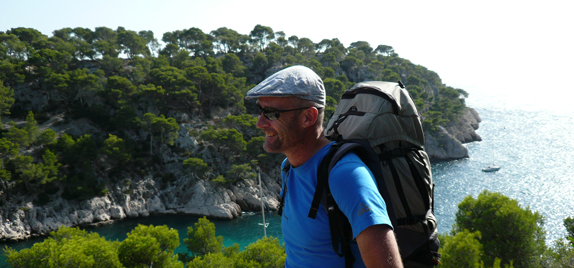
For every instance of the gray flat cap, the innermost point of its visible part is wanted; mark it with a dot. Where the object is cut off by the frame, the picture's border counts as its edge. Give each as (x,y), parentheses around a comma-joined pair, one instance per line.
(296,81)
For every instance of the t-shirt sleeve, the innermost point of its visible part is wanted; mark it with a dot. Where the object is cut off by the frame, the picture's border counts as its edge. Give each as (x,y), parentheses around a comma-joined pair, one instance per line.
(355,191)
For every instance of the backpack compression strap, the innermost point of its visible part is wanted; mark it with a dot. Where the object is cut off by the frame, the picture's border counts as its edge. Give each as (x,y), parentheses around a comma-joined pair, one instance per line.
(419,181)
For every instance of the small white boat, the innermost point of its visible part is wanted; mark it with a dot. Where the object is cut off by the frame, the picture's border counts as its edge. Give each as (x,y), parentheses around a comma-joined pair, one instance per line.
(491,169)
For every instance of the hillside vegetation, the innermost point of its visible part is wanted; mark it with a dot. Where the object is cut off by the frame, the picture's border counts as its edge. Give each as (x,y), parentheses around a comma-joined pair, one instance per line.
(132,95)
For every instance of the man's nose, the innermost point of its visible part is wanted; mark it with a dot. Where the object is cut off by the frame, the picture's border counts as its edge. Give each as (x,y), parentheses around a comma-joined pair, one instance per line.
(262,121)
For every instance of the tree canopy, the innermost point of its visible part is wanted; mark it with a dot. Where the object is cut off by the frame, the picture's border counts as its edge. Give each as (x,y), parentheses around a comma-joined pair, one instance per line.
(136,98)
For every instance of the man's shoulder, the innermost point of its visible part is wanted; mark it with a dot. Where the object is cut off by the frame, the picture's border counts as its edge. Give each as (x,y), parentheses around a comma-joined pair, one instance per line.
(348,167)
(350,159)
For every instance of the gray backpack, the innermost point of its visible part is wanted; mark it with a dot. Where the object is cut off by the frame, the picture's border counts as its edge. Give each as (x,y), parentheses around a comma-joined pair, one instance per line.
(379,122)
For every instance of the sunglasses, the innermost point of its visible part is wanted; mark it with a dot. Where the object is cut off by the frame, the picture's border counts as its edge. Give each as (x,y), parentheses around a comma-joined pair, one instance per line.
(272,113)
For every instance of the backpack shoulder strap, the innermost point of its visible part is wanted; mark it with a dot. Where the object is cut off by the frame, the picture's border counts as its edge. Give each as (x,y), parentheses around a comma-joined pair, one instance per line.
(341,232)
(338,150)
(285,167)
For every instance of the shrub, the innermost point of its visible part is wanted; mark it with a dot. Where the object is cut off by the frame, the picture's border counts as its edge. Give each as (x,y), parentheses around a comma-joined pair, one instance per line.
(509,231)
(461,250)
(196,165)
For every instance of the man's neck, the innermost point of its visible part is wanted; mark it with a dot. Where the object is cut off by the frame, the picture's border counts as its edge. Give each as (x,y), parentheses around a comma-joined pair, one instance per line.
(305,151)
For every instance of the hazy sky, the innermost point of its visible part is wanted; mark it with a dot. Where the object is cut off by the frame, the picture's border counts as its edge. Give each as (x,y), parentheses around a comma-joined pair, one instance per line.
(495,46)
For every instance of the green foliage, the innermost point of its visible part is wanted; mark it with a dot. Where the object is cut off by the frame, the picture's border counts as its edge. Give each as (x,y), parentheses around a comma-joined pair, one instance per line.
(50,166)
(266,251)
(17,135)
(245,124)
(255,147)
(32,128)
(68,247)
(508,231)
(47,137)
(261,35)
(220,179)
(335,88)
(131,43)
(30,174)
(241,120)
(83,85)
(569,225)
(126,118)
(83,185)
(232,64)
(212,260)
(229,139)
(65,144)
(6,98)
(84,149)
(202,240)
(196,165)
(148,246)
(390,75)
(561,255)
(167,128)
(208,250)
(239,172)
(122,84)
(8,149)
(432,121)
(461,250)
(111,65)
(145,246)
(115,149)
(170,78)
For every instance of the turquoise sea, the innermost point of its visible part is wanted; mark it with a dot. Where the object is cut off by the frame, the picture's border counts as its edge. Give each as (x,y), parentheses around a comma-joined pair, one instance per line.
(529,137)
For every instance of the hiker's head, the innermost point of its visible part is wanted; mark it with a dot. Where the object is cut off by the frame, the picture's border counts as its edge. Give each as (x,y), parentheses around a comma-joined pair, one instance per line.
(296,81)
(290,104)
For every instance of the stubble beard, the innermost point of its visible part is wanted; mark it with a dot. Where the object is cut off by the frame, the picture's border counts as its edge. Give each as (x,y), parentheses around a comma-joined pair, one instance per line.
(290,137)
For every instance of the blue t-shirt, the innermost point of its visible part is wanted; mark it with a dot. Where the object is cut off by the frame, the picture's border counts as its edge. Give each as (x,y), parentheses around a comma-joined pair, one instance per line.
(308,241)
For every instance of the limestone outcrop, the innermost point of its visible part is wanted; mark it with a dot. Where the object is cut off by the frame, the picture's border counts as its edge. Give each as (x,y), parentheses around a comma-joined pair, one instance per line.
(447,143)
(22,219)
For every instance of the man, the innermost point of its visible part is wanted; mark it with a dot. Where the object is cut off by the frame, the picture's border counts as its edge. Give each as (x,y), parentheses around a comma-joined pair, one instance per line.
(291,106)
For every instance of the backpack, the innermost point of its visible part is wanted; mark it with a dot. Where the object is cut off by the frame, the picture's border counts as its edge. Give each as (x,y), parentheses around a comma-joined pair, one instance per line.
(379,122)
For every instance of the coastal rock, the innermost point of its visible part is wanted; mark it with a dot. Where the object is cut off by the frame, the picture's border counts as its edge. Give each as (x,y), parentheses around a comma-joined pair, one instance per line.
(442,146)
(464,129)
(447,143)
(117,212)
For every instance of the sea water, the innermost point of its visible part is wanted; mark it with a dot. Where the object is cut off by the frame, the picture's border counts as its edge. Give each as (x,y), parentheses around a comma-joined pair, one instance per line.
(530,138)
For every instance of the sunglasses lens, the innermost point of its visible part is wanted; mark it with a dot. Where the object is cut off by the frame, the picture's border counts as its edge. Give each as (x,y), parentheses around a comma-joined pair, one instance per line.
(269,113)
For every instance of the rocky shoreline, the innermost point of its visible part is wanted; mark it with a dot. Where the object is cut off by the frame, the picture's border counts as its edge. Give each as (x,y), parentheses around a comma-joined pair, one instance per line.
(447,143)
(20,219)
(21,222)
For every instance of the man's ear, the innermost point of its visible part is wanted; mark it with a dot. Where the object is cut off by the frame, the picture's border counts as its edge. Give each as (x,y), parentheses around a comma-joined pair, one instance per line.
(309,117)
